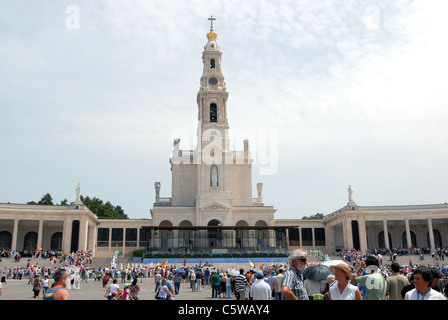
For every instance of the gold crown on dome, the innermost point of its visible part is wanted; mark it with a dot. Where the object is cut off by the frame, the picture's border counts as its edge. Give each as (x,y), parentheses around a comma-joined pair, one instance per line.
(212,35)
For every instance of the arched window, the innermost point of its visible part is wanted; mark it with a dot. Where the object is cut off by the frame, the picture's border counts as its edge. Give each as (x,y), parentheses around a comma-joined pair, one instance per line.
(166,235)
(212,63)
(56,241)
(242,235)
(185,237)
(261,236)
(213,113)
(30,241)
(382,242)
(5,240)
(437,239)
(405,239)
(214,235)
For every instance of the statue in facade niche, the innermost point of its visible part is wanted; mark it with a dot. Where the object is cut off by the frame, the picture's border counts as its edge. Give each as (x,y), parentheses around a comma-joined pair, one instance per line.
(78,191)
(78,194)
(214,177)
(351,201)
(246,145)
(157,187)
(259,190)
(350,193)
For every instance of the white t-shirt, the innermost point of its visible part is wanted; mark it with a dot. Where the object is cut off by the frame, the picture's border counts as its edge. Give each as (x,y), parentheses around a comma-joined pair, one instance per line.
(430,295)
(163,292)
(113,287)
(260,290)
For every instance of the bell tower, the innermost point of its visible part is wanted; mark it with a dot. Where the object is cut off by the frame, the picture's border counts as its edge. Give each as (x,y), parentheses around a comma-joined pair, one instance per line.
(212,100)
(212,184)
(213,146)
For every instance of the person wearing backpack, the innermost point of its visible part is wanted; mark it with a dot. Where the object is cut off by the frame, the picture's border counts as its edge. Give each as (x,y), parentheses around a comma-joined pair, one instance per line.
(37,285)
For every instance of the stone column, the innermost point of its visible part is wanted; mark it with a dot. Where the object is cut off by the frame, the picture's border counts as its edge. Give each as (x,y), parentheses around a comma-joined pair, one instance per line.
(90,243)
(138,239)
(94,239)
(124,239)
(348,233)
(273,238)
(345,234)
(300,238)
(83,232)
(386,234)
(15,234)
(408,233)
(67,235)
(232,239)
(40,234)
(329,238)
(313,239)
(431,235)
(110,240)
(362,234)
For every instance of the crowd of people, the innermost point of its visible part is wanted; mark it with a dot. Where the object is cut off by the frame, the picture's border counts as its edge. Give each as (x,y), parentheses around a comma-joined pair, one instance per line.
(73,258)
(75,267)
(358,276)
(222,283)
(437,255)
(367,276)
(374,275)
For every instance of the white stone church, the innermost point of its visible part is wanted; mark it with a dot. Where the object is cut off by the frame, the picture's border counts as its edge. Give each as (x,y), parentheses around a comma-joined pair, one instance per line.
(212,208)
(212,184)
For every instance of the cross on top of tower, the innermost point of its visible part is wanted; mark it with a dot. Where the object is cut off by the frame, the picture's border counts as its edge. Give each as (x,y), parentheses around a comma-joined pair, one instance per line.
(211,21)
(212,34)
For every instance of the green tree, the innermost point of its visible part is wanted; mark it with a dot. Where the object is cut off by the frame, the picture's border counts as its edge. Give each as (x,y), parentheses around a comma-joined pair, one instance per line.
(46,200)
(317,216)
(104,210)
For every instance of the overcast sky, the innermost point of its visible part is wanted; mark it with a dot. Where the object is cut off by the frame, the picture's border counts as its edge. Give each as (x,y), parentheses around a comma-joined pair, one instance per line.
(342,93)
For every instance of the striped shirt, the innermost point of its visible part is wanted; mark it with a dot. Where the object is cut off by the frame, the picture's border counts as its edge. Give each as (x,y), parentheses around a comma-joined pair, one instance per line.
(294,280)
(240,282)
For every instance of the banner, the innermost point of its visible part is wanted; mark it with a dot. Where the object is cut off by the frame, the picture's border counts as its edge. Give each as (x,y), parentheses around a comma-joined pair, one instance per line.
(181,261)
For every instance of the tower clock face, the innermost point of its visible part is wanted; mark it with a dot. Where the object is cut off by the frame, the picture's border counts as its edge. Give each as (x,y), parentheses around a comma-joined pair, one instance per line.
(213,81)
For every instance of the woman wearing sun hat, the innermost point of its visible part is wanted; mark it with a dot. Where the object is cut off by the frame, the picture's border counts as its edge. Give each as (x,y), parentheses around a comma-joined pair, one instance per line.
(341,288)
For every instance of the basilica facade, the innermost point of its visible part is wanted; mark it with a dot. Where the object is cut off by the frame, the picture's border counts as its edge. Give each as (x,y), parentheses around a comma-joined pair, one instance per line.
(212,209)
(212,184)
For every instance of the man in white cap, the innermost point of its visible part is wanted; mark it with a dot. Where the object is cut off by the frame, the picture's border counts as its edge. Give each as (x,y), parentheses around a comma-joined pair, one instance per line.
(260,289)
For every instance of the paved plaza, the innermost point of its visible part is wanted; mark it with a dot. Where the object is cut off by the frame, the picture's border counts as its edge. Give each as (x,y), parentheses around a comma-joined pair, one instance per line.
(93,290)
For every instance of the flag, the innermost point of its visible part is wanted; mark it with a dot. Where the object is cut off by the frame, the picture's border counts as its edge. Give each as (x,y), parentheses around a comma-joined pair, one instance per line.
(157,265)
(185,262)
(165,263)
(261,266)
(251,264)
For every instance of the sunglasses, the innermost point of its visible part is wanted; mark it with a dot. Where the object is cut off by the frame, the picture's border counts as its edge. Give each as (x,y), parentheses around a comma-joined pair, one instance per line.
(302,259)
